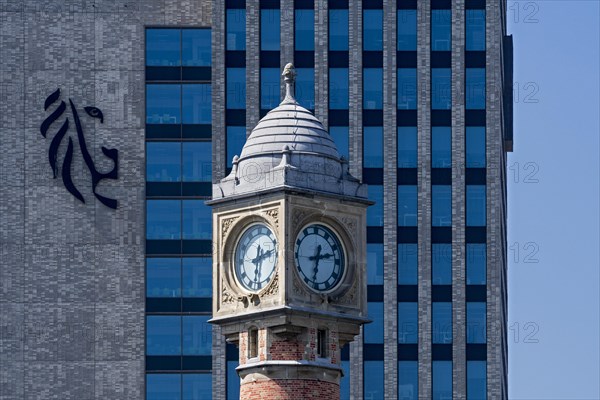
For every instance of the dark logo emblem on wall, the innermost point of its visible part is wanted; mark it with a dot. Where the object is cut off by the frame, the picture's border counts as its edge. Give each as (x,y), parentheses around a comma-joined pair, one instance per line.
(97,176)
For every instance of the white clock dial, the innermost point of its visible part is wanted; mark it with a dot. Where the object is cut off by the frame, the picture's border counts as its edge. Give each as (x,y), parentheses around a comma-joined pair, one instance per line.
(319,257)
(255,257)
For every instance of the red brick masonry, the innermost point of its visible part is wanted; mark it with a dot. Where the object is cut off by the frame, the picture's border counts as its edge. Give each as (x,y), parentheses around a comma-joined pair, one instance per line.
(288,389)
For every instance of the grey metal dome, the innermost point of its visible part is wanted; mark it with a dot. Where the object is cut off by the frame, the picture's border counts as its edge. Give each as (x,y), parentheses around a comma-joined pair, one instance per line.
(289,148)
(292,125)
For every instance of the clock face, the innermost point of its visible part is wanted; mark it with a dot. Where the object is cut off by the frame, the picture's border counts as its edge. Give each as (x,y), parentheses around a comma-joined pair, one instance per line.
(255,257)
(319,257)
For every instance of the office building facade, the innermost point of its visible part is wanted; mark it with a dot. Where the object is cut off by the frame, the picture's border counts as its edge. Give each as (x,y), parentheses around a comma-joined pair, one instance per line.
(104,302)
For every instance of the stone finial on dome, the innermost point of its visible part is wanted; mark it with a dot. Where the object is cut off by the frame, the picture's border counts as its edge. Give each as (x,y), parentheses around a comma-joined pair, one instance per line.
(289,77)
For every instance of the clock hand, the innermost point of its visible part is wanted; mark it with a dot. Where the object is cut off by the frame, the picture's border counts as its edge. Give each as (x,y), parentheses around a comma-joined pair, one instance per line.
(317,257)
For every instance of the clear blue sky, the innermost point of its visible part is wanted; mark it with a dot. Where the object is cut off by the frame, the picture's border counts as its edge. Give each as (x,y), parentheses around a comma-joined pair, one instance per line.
(554,202)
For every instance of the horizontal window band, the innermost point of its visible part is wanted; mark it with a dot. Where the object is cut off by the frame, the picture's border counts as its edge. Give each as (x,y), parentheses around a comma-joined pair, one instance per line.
(441,234)
(441,293)
(178,189)
(441,176)
(475,118)
(232,4)
(338,59)
(406,59)
(406,118)
(475,234)
(269,59)
(372,59)
(476,293)
(441,352)
(441,118)
(337,4)
(178,363)
(269,4)
(235,59)
(339,117)
(373,352)
(476,352)
(304,4)
(178,74)
(374,234)
(441,4)
(372,5)
(475,176)
(408,352)
(375,293)
(372,117)
(176,131)
(475,4)
(408,293)
(235,117)
(304,59)
(407,176)
(474,59)
(441,59)
(178,305)
(373,176)
(407,234)
(178,247)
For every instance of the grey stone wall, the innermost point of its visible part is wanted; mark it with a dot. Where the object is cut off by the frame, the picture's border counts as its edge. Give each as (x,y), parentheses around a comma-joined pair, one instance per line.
(72,274)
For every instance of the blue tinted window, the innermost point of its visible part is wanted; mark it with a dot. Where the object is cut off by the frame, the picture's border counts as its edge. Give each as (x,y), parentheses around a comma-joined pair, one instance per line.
(305,30)
(441,205)
(374,330)
(269,29)
(441,89)
(407,88)
(236,29)
(233,381)
(408,322)
(163,335)
(476,263)
(407,205)
(197,277)
(163,162)
(373,147)
(163,47)
(476,328)
(197,336)
(195,47)
(373,30)
(475,30)
(196,103)
(373,88)
(163,219)
(163,387)
(305,87)
(338,30)
(373,379)
(338,88)
(407,147)
(375,212)
(408,380)
(374,264)
(163,104)
(441,147)
(269,88)
(236,88)
(441,263)
(163,277)
(236,137)
(441,322)
(407,30)
(197,386)
(441,380)
(475,90)
(440,30)
(476,380)
(407,264)
(197,218)
(476,215)
(340,137)
(475,146)
(345,380)
(197,161)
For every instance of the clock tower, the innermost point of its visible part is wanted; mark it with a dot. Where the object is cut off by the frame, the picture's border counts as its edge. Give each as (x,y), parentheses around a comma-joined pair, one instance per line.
(289,273)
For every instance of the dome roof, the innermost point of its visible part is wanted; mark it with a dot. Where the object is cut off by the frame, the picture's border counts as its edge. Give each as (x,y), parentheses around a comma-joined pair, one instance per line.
(289,148)
(292,125)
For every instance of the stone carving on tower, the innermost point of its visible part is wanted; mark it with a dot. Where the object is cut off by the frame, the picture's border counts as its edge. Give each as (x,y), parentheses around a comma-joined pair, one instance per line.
(289,274)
